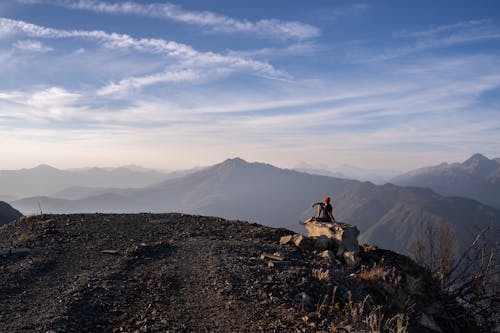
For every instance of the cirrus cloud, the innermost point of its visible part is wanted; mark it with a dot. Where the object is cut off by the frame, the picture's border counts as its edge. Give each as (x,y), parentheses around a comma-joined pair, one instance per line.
(265,28)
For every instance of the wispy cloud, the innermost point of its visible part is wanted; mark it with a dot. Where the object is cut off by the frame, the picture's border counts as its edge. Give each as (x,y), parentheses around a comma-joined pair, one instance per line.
(437,30)
(372,118)
(32,46)
(267,28)
(188,64)
(415,41)
(42,106)
(349,11)
(130,83)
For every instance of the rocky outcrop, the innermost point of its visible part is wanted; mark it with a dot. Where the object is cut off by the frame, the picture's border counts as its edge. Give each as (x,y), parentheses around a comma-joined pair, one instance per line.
(340,239)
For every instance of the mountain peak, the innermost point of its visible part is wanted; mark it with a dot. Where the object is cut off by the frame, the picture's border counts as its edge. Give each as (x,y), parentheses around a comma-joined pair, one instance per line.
(45,167)
(480,164)
(234,162)
(477,158)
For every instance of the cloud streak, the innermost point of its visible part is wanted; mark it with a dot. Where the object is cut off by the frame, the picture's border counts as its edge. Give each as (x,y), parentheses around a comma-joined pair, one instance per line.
(266,28)
(188,64)
(32,46)
(433,38)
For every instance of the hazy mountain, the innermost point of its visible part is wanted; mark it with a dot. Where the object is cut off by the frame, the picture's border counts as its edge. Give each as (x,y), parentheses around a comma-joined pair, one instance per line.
(7,198)
(477,178)
(350,172)
(82,192)
(46,180)
(386,215)
(306,168)
(7,213)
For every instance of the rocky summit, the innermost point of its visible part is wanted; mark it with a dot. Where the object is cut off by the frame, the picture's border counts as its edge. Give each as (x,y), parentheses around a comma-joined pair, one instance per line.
(184,273)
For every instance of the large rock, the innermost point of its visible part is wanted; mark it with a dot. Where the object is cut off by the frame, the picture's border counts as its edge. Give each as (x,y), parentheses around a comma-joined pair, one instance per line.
(340,237)
(345,234)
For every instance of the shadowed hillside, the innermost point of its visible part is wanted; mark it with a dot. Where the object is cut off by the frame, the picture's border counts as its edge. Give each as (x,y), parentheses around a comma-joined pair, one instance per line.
(7,213)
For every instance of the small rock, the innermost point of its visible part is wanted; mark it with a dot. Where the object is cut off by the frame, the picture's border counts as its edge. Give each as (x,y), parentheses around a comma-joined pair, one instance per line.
(286,239)
(351,258)
(327,254)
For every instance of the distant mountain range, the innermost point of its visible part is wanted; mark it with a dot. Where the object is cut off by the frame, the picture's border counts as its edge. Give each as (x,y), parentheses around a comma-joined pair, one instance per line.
(349,172)
(386,215)
(45,180)
(477,178)
(7,213)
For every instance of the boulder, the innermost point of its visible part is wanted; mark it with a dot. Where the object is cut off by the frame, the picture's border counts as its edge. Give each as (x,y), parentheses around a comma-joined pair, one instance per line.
(345,234)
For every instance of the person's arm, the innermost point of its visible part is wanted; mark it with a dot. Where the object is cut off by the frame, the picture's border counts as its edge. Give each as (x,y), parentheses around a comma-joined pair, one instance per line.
(331,216)
(315,204)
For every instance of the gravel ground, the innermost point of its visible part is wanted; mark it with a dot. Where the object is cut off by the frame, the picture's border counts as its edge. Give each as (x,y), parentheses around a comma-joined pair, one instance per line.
(169,273)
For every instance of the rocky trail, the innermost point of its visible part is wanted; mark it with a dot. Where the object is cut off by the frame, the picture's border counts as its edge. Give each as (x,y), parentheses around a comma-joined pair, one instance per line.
(183,273)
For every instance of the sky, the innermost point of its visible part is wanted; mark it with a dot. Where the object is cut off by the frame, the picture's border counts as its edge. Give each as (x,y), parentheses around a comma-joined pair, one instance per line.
(170,85)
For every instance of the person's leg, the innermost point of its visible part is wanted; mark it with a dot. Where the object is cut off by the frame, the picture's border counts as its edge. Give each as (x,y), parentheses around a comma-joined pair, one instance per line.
(320,210)
(311,219)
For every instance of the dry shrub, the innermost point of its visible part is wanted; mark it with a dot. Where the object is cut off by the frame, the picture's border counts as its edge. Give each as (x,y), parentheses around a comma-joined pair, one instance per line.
(362,317)
(380,273)
(374,273)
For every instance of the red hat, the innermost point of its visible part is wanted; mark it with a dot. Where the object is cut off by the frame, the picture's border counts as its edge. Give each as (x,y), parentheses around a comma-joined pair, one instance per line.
(326,200)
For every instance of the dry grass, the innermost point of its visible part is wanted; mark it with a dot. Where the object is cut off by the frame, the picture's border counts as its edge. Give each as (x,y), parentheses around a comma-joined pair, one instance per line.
(363,317)
(320,274)
(375,273)
(380,273)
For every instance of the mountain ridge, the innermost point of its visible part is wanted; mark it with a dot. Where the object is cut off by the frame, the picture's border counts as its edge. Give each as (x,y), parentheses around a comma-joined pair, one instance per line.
(276,197)
(477,177)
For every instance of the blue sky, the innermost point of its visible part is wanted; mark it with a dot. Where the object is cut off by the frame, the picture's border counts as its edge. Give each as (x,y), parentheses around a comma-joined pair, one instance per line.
(379,84)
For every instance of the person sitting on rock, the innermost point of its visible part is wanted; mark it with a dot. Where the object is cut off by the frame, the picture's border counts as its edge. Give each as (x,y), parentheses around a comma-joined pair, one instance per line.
(325,212)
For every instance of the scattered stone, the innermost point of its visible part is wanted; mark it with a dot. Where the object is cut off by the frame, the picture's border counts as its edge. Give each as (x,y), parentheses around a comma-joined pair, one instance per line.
(276,264)
(286,239)
(110,252)
(351,258)
(264,256)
